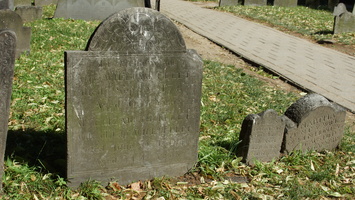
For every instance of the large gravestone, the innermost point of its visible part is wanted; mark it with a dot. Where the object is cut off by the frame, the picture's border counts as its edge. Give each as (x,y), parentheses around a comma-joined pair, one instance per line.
(314,124)
(22,3)
(7,62)
(344,21)
(132,101)
(261,137)
(12,21)
(255,2)
(285,3)
(92,9)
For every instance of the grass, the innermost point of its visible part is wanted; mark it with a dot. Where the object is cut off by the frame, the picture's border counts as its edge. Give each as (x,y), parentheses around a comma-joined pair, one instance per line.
(35,161)
(313,23)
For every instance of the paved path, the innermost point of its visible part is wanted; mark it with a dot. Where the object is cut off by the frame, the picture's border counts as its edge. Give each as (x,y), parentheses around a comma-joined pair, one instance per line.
(311,66)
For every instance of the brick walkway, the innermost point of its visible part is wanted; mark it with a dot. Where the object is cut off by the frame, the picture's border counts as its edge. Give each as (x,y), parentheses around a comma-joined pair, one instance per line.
(310,66)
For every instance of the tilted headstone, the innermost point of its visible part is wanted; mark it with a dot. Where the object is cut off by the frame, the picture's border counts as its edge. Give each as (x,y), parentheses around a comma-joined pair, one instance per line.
(29,13)
(344,21)
(91,9)
(261,137)
(285,3)
(7,63)
(313,124)
(255,2)
(12,21)
(45,2)
(132,101)
(6,4)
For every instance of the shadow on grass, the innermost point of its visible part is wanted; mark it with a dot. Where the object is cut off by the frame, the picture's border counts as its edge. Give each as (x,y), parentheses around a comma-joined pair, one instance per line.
(46,150)
(325,32)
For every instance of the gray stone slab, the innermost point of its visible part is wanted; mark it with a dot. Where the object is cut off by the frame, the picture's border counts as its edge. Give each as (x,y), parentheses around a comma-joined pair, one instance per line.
(255,2)
(22,3)
(261,137)
(12,21)
(29,13)
(344,21)
(314,124)
(285,3)
(45,2)
(6,4)
(7,63)
(92,9)
(230,2)
(132,101)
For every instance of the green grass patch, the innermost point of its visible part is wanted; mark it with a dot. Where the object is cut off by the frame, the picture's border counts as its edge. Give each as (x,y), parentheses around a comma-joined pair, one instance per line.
(36,142)
(317,24)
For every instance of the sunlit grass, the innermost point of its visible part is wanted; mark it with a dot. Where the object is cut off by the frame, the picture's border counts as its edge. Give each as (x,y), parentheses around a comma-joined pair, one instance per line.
(37,135)
(317,24)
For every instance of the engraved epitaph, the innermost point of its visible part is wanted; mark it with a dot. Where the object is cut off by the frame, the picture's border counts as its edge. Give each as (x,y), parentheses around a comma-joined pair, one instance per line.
(314,124)
(132,101)
(261,137)
(93,9)
(7,61)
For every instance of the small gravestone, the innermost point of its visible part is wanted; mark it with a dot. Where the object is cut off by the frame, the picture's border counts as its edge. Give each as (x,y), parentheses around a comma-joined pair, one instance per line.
(12,21)
(261,137)
(344,21)
(285,3)
(7,62)
(6,4)
(312,3)
(255,2)
(314,124)
(45,2)
(22,3)
(230,2)
(29,13)
(132,101)
(93,10)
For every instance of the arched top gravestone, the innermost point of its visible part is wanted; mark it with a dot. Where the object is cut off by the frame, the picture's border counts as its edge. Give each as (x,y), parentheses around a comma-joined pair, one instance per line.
(137,30)
(12,21)
(132,101)
(313,123)
(7,62)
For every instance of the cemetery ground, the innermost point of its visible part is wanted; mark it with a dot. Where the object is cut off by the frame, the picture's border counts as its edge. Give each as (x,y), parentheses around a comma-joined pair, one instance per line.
(232,89)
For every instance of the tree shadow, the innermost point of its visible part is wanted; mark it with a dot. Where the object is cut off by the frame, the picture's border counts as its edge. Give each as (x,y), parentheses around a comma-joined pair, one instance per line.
(46,150)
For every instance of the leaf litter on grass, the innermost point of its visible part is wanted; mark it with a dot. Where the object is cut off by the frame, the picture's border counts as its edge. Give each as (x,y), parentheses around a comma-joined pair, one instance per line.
(228,96)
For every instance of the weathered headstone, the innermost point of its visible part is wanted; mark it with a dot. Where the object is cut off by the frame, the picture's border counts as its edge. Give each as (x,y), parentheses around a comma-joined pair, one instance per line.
(29,13)
(22,3)
(261,137)
(230,2)
(6,4)
(314,124)
(45,2)
(12,21)
(255,2)
(344,21)
(285,3)
(7,62)
(132,101)
(93,10)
